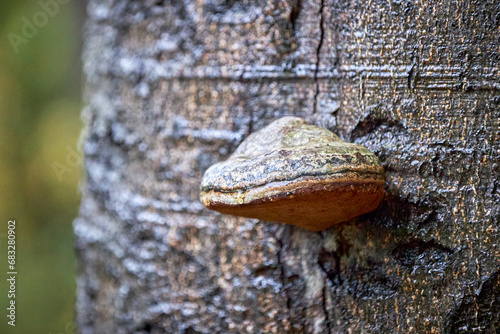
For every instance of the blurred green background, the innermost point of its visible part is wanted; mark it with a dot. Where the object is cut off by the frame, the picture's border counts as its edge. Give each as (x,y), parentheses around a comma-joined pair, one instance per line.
(40,88)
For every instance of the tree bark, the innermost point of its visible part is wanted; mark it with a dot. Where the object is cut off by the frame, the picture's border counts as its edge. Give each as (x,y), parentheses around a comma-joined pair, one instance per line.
(175,86)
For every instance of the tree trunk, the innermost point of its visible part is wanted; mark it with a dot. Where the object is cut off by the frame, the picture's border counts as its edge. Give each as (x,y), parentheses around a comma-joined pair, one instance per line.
(175,86)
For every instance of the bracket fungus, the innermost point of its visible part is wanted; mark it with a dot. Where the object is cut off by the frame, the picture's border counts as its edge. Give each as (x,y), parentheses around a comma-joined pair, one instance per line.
(295,173)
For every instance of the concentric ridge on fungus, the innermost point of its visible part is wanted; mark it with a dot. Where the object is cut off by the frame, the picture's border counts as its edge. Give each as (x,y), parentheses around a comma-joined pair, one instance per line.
(295,173)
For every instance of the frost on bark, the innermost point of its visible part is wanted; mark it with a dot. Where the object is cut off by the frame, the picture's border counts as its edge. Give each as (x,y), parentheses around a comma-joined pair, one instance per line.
(174,86)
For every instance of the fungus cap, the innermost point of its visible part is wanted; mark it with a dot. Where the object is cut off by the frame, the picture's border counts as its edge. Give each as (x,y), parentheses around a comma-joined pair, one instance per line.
(295,173)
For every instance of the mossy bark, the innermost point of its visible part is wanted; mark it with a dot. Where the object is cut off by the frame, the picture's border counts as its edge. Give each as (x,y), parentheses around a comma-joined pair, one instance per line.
(174,87)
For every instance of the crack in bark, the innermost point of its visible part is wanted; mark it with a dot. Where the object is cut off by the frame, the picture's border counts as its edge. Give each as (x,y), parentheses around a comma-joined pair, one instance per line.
(325,284)
(294,14)
(250,123)
(410,76)
(318,51)
(283,276)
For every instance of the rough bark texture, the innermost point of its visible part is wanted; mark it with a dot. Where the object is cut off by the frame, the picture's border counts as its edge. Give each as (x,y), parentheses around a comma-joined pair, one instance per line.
(173,87)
